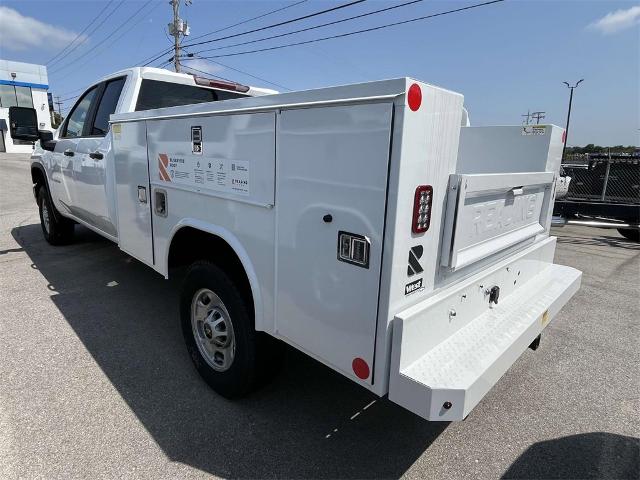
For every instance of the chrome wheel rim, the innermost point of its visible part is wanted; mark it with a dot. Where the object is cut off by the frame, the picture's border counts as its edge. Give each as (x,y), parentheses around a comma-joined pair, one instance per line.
(212,329)
(45,216)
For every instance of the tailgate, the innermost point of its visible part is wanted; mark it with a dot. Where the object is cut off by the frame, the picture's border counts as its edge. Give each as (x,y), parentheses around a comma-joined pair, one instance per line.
(487,213)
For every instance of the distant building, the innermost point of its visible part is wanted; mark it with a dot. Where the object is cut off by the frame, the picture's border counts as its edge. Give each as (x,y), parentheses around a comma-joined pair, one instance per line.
(22,85)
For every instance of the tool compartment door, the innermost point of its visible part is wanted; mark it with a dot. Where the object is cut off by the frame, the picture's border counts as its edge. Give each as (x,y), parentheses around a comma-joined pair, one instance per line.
(133,196)
(488,213)
(332,165)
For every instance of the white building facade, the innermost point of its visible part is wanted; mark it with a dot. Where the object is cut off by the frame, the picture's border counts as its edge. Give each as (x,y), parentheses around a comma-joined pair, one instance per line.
(22,85)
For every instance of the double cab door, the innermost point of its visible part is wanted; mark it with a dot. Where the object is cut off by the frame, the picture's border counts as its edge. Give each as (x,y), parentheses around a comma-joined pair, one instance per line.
(79,166)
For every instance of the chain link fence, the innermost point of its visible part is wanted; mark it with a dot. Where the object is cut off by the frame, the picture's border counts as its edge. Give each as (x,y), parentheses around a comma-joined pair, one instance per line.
(604,178)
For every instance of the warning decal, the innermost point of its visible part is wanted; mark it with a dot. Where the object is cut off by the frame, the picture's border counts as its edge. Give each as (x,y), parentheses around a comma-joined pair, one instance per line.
(217,174)
(534,129)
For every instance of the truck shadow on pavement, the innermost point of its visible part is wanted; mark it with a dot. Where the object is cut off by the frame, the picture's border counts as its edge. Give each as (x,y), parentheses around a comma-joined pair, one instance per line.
(588,455)
(309,422)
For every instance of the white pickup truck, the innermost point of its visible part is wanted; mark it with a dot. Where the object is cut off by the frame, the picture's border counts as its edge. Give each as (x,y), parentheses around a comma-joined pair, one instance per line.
(365,225)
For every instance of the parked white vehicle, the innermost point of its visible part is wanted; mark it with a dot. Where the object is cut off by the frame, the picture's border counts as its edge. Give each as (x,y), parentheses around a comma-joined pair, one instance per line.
(361,224)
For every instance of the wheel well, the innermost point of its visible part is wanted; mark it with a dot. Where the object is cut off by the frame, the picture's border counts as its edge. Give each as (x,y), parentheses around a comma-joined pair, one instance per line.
(190,245)
(37,177)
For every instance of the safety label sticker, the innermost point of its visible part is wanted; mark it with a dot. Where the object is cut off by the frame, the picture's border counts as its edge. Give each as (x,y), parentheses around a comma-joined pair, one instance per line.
(534,129)
(218,174)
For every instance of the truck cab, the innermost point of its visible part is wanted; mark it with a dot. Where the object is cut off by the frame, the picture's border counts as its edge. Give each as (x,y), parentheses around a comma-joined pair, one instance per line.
(77,159)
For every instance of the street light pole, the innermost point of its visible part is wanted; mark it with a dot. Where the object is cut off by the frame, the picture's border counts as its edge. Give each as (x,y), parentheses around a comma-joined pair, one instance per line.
(566,130)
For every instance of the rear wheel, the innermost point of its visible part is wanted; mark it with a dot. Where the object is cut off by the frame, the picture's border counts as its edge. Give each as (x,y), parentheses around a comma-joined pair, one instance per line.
(218,328)
(57,230)
(630,234)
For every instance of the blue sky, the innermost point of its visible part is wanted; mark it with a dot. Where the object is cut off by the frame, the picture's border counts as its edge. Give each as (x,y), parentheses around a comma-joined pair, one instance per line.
(505,58)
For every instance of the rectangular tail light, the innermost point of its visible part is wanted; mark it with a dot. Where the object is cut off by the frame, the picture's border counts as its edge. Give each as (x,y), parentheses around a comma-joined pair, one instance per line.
(422,208)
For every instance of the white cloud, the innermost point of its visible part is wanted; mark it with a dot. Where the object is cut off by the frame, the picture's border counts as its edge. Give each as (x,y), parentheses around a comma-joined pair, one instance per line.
(19,32)
(614,22)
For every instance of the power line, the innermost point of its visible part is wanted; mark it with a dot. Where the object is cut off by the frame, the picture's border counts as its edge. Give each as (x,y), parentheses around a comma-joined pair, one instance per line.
(250,19)
(89,34)
(406,4)
(286,22)
(380,27)
(106,38)
(73,91)
(239,71)
(67,99)
(79,34)
(209,74)
(115,40)
(157,55)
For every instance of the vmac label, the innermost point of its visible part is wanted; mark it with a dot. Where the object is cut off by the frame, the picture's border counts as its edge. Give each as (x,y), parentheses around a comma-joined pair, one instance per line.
(412,287)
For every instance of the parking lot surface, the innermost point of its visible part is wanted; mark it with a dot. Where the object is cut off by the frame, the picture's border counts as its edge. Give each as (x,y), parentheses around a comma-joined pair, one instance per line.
(95,381)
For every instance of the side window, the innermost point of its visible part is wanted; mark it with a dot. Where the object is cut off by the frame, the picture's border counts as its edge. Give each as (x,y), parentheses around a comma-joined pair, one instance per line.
(107,106)
(79,114)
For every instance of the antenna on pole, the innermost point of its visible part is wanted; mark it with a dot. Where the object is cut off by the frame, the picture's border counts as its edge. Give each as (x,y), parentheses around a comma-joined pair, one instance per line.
(537,116)
(177,29)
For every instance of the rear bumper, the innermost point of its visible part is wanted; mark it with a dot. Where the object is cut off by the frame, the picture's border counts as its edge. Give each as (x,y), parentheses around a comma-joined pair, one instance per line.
(457,372)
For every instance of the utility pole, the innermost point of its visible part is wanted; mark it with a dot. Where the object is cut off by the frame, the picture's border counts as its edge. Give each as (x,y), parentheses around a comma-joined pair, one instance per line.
(527,118)
(538,116)
(59,103)
(177,29)
(566,130)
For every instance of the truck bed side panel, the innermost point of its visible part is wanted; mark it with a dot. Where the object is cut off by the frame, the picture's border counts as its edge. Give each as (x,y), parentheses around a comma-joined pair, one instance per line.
(227,189)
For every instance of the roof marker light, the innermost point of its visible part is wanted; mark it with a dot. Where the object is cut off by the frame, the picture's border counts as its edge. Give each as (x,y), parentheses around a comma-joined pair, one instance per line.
(414,97)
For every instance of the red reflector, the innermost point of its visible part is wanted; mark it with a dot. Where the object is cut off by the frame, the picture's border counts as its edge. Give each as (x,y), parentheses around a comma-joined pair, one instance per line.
(422,209)
(360,368)
(414,97)
(564,136)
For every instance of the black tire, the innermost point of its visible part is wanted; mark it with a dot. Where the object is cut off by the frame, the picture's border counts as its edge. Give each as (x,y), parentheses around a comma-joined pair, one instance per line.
(58,230)
(630,234)
(254,356)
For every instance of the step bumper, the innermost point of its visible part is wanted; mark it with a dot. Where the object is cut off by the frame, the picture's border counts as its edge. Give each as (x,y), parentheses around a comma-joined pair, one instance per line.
(458,372)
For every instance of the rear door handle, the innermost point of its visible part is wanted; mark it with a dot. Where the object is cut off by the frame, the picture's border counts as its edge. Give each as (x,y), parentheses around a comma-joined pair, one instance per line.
(69,153)
(96,155)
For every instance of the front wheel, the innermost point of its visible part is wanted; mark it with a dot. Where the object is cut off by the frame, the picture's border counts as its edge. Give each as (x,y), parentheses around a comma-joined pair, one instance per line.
(218,328)
(57,230)
(630,234)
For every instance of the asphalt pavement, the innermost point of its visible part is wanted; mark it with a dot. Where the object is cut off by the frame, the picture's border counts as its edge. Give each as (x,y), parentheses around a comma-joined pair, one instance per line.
(95,381)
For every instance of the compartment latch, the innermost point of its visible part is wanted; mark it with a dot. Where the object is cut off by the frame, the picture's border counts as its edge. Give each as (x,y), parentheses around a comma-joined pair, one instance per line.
(494,294)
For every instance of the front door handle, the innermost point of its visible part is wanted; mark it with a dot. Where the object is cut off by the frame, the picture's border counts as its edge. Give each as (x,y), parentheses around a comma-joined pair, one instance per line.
(96,155)
(69,153)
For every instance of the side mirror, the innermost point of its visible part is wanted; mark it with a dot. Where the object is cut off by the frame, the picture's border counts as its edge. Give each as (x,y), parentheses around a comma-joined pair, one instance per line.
(23,124)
